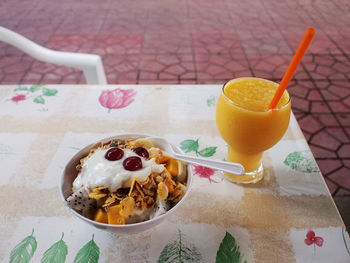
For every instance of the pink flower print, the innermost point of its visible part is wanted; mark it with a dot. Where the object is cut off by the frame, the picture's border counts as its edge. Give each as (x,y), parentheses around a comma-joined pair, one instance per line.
(204,172)
(18,97)
(117,98)
(312,239)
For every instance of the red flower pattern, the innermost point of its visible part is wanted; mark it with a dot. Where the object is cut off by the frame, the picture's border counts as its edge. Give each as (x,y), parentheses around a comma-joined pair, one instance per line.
(311,238)
(117,98)
(204,172)
(18,97)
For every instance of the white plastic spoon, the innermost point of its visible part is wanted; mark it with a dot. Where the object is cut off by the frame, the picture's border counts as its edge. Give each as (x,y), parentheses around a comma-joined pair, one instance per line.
(234,168)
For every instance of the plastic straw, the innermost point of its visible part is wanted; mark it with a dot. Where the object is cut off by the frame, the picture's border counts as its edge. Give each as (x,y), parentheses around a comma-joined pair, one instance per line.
(310,32)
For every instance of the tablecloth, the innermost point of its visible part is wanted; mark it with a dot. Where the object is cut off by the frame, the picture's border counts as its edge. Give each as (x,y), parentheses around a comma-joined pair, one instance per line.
(288,217)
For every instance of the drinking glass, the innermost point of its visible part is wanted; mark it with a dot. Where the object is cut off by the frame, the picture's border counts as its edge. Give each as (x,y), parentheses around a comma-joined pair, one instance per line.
(247,129)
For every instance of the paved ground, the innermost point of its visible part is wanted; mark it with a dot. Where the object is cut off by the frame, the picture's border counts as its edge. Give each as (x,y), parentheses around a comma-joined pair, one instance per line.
(203,41)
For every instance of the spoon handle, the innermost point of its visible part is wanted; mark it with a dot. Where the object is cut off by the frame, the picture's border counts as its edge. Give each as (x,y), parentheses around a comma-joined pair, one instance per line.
(234,168)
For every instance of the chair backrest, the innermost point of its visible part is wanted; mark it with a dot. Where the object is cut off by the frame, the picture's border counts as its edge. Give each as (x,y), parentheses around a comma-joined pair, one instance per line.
(90,64)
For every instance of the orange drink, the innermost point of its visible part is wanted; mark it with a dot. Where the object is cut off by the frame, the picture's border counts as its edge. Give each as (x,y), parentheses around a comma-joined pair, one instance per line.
(246,124)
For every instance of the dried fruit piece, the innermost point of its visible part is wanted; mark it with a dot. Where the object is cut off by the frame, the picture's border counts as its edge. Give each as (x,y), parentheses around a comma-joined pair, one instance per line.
(173,167)
(162,191)
(162,159)
(101,216)
(114,216)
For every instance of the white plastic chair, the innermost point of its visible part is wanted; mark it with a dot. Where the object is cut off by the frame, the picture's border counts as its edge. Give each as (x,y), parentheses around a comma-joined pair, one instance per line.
(90,64)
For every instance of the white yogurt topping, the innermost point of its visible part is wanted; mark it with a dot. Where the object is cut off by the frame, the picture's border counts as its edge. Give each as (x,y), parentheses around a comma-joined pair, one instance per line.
(98,171)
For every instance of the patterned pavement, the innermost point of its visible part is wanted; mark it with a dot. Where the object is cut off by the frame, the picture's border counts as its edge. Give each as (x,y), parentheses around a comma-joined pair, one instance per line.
(202,41)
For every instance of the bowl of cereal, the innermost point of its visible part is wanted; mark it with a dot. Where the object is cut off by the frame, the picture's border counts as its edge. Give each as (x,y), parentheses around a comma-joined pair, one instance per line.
(124,184)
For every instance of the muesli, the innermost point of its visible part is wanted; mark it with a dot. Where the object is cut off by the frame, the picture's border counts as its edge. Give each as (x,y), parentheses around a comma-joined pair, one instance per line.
(127,181)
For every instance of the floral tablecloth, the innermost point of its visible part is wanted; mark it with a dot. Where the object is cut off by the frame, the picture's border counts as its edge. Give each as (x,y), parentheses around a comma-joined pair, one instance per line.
(288,217)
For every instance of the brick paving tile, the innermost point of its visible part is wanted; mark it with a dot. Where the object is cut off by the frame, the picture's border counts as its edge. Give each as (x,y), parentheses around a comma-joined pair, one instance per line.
(339,134)
(300,89)
(322,153)
(13,68)
(209,21)
(72,43)
(319,107)
(167,67)
(329,166)
(347,130)
(122,26)
(56,74)
(344,151)
(273,43)
(327,67)
(332,187)
(86,22)
(343,118)
(343,192)
(272,66)
(323,139)
(346,163)
(221,67)
(211,81)
(300,105)
(173,24)
(339,106)
(167,43)
(341,40)
(217,44)
(121,68)
(320,45)
(118,44)
(157,81)
(341,177)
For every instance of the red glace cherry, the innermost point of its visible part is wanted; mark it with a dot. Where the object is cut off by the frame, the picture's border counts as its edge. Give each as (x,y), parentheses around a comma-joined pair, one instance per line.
(114,154)
(140,151)
(132,163)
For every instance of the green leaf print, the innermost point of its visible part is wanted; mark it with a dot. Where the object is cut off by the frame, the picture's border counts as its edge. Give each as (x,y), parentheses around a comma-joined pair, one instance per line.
(24,251)
(189,145)
(211,102)
(179,251)
(49,92)
(88,253)
(207,152)
(34,88)
(39,100)
(302,161)
(21,88)
(228,251)
(56,253)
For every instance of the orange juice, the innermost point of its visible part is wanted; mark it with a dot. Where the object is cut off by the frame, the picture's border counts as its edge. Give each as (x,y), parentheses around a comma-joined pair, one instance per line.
(247,125)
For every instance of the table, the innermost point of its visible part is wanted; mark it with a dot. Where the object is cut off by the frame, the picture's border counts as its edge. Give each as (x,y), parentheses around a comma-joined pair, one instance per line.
(288,217)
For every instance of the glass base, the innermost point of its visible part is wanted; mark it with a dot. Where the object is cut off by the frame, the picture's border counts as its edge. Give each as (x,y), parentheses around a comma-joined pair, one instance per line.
(247,178)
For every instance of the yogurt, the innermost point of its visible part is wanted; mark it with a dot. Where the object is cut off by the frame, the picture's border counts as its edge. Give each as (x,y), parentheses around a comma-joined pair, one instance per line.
(98,171)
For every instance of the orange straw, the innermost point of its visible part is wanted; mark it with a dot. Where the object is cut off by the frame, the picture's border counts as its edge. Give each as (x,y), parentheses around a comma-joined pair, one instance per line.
(310,32)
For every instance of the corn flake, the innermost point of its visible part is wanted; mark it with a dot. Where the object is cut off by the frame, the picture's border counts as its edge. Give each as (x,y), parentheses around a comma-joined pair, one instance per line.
(128,205)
